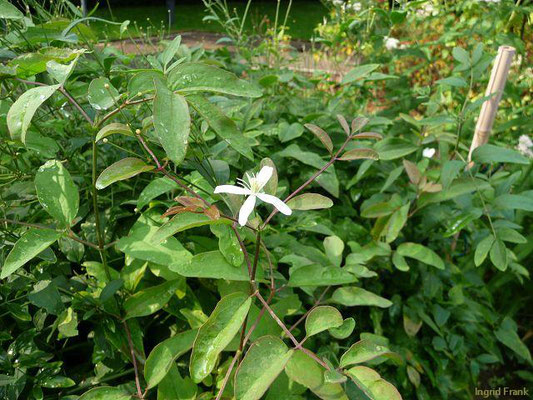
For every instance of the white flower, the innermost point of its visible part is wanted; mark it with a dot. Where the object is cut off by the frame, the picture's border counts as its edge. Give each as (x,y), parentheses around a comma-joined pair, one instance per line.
(426,10)
(525,144)
(428,152)
(356,6)
(391,43)
(253,189)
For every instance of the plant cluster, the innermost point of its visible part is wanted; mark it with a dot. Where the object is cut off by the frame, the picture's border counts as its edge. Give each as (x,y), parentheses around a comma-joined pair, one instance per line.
(212,225)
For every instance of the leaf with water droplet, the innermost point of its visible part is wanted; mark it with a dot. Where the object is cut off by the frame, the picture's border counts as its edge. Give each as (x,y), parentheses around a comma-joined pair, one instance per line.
(164,354)
(57,192)
(217,332)
(200,77)
(264,361)
(22,111)
(121,170)
(172,122)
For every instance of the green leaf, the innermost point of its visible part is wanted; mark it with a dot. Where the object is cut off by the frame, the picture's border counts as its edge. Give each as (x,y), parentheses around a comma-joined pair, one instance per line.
(170,51)
(461,55)
(102,95)
(506,334)
(355,296)
(399,262)
(306,371)
(217,332)
(309,201)
(29,245)
(482,250)
(67,324)
(317,275)
(514,202)
(372,385)
(60,72)
(138,245)
(150,300)
(162,357)
(45,295)
(328,180)
(45,147)
(174,387)
(489,153)
(359,154)
(9,11)
(334,247)
(228,244)
(498,254)
(454,81)
(154,189)
(121,170)
(396,223)
(420,253)
(359,72)
(289,132)
(58,381)
(321,319)
(182,222)
(343,331)
(264,361)
(363,351)
(113,128)
(22,111)
(172,122)
(223,126)
(450,171)
(458,188)
(211,264)
(200,77)
(510,235)
(57,192)
(393,148)
(322,136)
(105,393)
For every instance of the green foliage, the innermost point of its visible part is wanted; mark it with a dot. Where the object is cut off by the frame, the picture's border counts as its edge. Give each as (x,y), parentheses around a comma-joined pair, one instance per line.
(362,256)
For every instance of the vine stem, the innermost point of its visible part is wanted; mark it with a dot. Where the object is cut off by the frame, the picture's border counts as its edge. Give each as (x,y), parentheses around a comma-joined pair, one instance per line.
(297,345)
(133,360)
(39,226)
(317,302)
(312,178)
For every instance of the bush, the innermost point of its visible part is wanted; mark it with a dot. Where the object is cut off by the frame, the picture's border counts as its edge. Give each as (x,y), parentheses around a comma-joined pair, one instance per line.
(191,224)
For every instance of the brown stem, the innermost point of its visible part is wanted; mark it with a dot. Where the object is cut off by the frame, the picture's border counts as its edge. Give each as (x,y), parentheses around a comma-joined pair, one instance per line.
(133,360)
(241,347)
(317,302)
(119,109)
(71,234)
(64,92)
(256,257)
(311,179)
(244,251)
(297,345)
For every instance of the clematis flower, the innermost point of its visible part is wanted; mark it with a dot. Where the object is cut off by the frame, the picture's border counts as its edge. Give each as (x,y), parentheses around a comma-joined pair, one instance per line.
(428,152)
(252,187)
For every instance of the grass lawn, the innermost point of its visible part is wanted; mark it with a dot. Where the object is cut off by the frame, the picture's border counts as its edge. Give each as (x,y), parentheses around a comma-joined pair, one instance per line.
(304,16)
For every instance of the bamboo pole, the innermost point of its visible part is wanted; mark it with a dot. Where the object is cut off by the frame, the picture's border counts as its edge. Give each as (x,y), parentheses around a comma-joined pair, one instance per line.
(498,77)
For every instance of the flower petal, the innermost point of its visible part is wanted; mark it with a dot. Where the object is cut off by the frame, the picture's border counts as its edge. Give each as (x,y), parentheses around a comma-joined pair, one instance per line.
(280,205)
(264,175)
(246,210)
(232,189)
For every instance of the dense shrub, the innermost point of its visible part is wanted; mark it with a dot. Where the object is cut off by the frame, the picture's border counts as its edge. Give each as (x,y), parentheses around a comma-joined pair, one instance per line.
(360,256)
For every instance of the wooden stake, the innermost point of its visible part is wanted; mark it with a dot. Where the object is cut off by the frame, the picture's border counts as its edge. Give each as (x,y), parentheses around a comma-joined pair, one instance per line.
(498,77)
